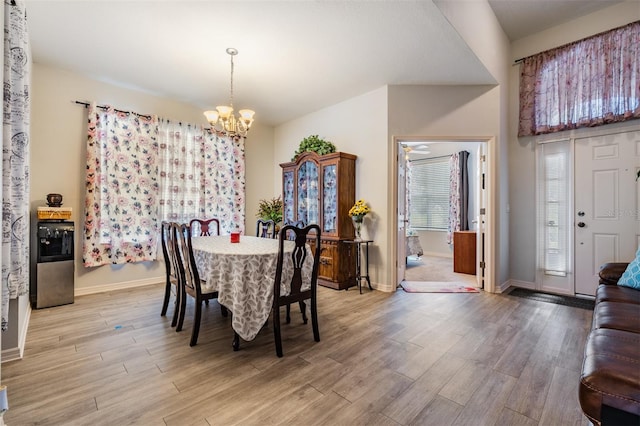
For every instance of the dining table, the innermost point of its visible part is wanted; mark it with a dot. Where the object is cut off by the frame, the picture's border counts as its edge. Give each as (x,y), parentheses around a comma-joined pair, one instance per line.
(243,274)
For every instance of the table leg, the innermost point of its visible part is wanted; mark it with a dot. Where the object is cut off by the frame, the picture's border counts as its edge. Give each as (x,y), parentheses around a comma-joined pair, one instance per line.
(236,341)
(367,265)
(358,270)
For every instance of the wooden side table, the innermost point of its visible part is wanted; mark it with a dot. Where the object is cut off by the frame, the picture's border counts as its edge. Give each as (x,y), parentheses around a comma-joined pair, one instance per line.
(359,276)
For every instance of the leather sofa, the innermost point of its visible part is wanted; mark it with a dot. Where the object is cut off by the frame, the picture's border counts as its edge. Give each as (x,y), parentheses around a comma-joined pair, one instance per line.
(609,389)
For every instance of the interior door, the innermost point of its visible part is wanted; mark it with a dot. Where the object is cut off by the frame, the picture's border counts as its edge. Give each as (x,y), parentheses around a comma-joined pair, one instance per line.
(402,217)
(481,197)
(607,226)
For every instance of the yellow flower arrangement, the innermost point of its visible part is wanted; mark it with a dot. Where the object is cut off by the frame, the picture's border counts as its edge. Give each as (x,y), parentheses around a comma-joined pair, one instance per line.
(359,210)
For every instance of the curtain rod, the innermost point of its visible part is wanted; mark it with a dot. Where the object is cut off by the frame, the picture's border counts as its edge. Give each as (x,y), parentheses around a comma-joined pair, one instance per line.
(86,105)
(517,61)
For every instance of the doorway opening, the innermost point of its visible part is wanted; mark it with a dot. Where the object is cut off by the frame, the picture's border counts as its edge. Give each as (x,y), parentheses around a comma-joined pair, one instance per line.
(426,249)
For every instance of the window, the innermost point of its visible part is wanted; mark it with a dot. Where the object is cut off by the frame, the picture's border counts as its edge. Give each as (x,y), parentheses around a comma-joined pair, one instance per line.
(554,208)
(140,171)
(429,194)
(121,181)
(590,82)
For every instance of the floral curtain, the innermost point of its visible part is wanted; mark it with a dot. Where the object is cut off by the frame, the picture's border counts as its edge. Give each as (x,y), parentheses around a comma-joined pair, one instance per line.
(458,194)
(121,208)
(15,157)
(202,175)
(590,82)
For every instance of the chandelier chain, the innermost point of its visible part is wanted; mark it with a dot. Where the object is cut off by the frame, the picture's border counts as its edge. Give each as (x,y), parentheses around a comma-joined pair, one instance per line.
(231,92)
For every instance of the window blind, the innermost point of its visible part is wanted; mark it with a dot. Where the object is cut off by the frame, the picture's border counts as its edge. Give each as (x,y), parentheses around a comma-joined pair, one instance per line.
(429,192)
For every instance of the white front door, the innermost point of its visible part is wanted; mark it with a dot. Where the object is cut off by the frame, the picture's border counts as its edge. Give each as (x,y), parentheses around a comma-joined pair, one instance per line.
(607,197)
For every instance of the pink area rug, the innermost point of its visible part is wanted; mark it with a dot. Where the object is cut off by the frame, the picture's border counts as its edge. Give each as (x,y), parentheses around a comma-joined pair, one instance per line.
(436,287)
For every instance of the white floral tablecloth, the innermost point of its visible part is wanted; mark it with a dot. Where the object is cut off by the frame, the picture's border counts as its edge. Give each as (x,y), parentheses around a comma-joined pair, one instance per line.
(243,274)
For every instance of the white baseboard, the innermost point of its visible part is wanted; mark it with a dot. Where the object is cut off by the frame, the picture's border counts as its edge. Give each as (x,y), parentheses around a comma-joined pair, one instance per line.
(438,254)
(379,287)
(83,291)
(516,283)
(13,354)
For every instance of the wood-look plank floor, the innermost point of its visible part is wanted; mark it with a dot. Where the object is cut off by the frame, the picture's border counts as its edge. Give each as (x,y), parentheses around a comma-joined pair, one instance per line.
(383,359)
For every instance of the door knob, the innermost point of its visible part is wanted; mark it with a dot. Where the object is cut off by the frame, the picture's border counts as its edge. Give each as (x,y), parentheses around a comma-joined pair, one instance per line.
(581,225)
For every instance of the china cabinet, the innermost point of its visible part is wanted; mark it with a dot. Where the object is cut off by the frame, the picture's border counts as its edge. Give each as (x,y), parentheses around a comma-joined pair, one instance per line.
(321,189)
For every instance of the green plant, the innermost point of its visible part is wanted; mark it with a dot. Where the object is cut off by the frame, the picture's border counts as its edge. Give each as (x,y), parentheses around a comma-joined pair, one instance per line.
(270,209)
(315,144)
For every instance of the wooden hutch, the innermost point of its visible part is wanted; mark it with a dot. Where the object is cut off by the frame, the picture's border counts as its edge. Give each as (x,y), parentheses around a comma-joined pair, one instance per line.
(321,189)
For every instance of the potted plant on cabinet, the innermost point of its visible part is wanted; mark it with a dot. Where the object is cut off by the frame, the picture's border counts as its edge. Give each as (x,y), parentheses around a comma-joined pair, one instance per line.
(315,144)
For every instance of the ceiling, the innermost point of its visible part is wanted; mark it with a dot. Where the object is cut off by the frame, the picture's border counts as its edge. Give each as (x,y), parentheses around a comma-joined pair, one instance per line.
(295,57)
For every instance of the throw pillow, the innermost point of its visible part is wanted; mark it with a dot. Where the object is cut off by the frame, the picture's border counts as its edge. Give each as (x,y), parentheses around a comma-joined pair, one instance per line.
(631,275)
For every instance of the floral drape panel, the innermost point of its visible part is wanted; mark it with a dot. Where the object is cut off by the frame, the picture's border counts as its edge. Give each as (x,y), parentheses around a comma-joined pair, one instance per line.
(590,82)
(121,209)
(201,175)
(458,194)
(15,157)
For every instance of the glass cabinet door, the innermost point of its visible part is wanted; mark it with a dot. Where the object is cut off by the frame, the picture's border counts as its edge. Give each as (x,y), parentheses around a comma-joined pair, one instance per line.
(329,199)
(287,185)
(308,201)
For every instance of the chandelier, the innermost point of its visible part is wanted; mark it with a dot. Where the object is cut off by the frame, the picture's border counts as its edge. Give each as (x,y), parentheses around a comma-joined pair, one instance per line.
(223,121)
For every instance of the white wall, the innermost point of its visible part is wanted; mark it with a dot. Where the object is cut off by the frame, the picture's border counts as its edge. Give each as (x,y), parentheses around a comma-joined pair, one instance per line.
(357,126)
(477,25)
(522,257)
(366,126)
(445,112)
(58,134)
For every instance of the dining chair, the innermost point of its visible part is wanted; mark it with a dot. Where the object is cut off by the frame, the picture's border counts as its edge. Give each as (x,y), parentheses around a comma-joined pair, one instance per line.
(169,253)
(297,223)
(301,287)
(266,229)
(190,283)
(292,236)
(205,227)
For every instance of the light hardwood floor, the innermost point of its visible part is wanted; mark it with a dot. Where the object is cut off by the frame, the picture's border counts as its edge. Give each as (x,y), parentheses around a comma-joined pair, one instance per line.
(383,359)
(435,268)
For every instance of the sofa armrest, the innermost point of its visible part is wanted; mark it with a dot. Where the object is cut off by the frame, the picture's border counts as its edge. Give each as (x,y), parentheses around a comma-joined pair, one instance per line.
(611,272)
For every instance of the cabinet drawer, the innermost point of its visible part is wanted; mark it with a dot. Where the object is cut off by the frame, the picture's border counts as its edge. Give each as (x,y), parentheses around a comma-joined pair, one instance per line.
(326,270)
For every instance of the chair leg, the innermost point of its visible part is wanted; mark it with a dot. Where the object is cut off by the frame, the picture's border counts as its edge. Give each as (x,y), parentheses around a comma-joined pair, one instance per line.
(303,310)
(196,323)
(167,296)
(224,311)
(176,310)
(206,302)
(276,330)
(183,308)
(314,319)
(288,314)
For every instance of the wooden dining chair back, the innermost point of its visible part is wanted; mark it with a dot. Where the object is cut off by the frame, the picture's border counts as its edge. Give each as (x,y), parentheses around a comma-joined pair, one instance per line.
(204,227)
(190,282)
(171,272)
(301,286)
(297,223)
(266,228)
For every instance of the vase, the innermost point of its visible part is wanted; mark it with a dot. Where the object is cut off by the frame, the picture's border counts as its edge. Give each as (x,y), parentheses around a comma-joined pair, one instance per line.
(357,224)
